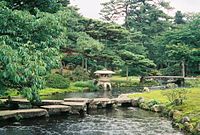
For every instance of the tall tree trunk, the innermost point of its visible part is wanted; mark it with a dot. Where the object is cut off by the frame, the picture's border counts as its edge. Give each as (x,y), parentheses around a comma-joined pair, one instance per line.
(183,68)
(105,64)
(61,68)
(83,62)
(126,73)
(86,64)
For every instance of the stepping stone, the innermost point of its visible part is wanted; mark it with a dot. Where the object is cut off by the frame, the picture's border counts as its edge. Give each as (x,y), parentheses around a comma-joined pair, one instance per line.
(56,109)
(3,100)
(21,103)
(101,103)
(87,100)
(23,113)
(122,101)
(51,102)
(76,107)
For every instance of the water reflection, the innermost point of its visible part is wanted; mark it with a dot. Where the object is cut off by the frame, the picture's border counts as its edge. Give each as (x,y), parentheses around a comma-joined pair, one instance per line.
(101,93)
(99,122)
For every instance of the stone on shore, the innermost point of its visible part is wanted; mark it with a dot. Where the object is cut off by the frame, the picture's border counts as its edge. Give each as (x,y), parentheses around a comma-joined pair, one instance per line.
(101,103)
(135,103)
(51,102)
(56,109)
(76,107)
(20,103)
(87,100)
(122,101)
(23,113)
(157,108)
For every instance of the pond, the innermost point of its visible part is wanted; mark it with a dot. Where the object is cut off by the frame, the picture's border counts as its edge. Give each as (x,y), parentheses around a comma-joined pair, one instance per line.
(121,121)
(95,94)
(117,121)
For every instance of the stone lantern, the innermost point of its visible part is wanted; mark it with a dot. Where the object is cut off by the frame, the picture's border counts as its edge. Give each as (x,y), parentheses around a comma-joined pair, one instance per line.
(104,78)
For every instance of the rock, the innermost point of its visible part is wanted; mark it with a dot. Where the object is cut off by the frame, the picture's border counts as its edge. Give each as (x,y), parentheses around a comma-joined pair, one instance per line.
(140,100)
(176,114)
(185,119)
(122,101)
(23,113)
(188,126)
(146,89)
(101,103)
(16,123)
(56,109)
(144,106)
(51,102)
(76,107)
(170,113)
(87,100)
(134,103)
(157,108)
(171,86)
(132,108)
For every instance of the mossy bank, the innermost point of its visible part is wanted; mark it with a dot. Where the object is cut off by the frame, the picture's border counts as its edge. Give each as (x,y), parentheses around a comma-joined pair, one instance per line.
(185,116)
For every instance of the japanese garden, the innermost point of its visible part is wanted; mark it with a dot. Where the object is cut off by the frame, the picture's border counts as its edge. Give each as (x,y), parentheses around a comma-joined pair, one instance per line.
(133,71)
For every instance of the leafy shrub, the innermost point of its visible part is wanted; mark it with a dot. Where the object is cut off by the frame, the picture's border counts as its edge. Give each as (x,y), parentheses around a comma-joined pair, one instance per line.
(31,94)
(89,84)
(79,74)
(2,90)
(57,81)
(155,73)
(192,83)
(152,103)
(176,96)
(11,92)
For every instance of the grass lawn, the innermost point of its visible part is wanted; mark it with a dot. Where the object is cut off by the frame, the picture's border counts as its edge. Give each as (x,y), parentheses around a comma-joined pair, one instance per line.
(190,107)
(50,91)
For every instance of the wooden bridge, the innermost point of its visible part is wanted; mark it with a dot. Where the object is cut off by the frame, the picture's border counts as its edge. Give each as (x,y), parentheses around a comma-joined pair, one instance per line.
(180,80)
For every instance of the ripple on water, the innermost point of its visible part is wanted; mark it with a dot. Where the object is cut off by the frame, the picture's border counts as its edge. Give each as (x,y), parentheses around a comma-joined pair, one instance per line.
(102,122)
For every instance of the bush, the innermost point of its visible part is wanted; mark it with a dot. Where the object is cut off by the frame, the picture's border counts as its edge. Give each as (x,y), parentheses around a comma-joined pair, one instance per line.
(192,83)
(176,96)
(57,81)
(79,74)
(150,83)
(88,84)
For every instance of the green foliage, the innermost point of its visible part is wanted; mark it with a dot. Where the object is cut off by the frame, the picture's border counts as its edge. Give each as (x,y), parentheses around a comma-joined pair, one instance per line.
(192,83)
(179,18)
(140,65)
(29,46)
(57,81)
(11,92)
(176,96)
(152,103)
(150,83)
(86,84)
(78,74)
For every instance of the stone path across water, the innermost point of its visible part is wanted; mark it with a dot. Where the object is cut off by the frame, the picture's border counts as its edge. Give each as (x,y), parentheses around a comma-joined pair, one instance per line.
(68,105)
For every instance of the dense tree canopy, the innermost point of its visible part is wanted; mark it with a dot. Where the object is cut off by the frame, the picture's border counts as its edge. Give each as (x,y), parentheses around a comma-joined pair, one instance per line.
(38,35)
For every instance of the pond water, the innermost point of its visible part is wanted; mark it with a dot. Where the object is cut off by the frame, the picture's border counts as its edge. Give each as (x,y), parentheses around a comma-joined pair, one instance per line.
(121,121)
(101,93)
(118,121)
